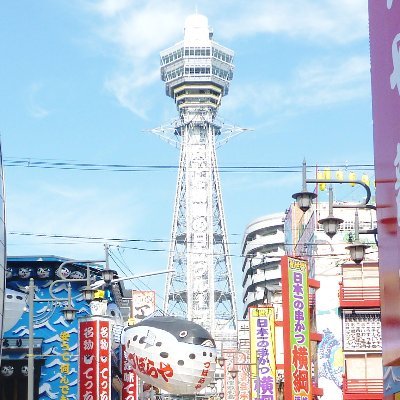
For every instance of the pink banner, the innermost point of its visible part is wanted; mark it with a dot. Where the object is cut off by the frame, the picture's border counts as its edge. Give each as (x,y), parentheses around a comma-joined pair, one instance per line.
(384,22)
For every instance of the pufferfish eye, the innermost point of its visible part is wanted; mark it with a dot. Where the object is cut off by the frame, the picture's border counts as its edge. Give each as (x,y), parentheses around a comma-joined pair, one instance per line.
(182,334)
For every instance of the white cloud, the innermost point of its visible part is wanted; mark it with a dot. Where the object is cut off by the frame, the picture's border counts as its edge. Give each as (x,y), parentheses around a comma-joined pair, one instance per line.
(109,8)
(129,89)
(340,21)
(319,83)
(33,106)
(139,29)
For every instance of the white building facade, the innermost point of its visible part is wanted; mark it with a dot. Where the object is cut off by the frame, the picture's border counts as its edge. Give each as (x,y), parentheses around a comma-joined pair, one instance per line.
(263,245)
(345,312)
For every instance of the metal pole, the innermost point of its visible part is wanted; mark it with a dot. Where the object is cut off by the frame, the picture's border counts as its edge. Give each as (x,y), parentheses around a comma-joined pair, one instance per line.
(330,200)
(356,226)
(107,254)
(31,365)
(304,175)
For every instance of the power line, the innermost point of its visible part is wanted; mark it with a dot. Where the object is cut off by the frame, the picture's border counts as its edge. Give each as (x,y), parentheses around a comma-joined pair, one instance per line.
(120,240)
(81,166)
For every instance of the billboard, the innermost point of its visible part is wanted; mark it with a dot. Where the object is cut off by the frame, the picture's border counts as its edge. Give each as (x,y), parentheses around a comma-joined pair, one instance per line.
(296,329)
(384,23)
(262,353)
(94,358)
(143,304)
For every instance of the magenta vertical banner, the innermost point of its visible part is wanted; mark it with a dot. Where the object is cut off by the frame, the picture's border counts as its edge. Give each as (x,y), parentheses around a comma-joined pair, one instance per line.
(385,74)
(384,22)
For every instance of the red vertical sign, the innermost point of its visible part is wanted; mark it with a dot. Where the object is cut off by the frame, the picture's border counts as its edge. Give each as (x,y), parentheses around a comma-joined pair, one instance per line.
(94,358)
(104,359)
(129,378)
(88,367)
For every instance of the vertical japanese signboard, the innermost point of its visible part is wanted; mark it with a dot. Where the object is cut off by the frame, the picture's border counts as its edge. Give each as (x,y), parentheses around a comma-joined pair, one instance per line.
(129,378)
(104,359)
(230,385)
(238,388)
(384,23)
(143,304)
(65,365)
(296,331)
(243,378)
(94,358)
(262,353)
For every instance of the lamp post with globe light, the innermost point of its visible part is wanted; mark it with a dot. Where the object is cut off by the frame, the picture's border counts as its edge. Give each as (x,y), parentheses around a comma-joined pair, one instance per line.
(331,223)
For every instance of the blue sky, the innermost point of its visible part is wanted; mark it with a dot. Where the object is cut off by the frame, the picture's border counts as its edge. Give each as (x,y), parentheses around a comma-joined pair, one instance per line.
(81,84)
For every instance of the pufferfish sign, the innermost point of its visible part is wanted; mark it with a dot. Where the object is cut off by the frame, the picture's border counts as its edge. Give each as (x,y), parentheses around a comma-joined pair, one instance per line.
(171,353)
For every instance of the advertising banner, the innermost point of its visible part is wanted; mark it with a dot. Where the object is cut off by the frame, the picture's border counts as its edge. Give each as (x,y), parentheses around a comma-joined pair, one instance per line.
(143,304)
(104,359)
(88,367)
(384,24)
(129,378)
(230,384)
(296,329)
(236,388)
(262,353)
(94,358)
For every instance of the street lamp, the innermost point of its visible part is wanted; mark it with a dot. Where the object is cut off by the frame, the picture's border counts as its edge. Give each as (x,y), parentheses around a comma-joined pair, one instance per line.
(221,360)
(234,373)
(331,223)
(107,273)
(356,248)
(304,198)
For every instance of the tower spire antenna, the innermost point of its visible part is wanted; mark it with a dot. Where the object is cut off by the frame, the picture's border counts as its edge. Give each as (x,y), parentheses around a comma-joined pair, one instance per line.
(197,72)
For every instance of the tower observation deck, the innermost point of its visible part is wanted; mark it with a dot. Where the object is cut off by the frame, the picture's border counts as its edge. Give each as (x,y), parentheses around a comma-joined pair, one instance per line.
(197,72)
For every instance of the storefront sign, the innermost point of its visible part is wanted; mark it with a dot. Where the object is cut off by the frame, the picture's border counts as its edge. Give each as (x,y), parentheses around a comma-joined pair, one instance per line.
(143,304)
(296,332)
(64,366)
(262,353)
(94,359)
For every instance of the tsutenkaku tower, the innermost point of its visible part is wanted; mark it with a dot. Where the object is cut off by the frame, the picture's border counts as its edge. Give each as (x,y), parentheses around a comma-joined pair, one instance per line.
(197,72)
